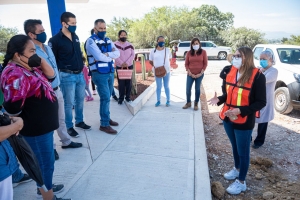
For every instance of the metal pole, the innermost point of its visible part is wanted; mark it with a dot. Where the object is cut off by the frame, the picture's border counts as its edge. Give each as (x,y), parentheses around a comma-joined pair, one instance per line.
(55,9)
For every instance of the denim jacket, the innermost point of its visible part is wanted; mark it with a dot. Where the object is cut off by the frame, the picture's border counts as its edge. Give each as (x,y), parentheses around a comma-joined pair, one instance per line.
(8,161)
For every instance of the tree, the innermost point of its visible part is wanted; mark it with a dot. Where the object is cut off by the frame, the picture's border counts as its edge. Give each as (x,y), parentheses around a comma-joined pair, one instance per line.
(116,25)
(5,35)
(284,40)
(210,21)
(294,40)
(238,37)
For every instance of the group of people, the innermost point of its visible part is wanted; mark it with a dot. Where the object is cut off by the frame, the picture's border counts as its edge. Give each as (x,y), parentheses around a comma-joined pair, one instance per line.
(43,83)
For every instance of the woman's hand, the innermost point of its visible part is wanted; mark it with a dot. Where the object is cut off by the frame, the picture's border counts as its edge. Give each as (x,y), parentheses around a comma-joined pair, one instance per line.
(18,122)
(213,101)
(232,112)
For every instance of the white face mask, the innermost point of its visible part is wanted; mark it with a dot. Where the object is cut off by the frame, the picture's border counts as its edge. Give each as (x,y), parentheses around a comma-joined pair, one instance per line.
(196,47)
(237,63)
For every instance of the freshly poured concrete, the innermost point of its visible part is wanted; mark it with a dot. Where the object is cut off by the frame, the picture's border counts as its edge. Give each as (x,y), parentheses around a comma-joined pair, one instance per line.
(157,154)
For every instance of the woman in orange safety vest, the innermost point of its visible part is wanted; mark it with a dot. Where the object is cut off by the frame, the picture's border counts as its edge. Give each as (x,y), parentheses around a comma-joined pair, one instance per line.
(245,95)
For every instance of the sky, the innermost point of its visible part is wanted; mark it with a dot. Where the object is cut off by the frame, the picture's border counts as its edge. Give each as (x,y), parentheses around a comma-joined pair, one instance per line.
(276,18)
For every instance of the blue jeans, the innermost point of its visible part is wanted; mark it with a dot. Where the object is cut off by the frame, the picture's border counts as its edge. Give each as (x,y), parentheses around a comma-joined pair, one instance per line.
(240,142)
(17,176)
(73,89)
(189,84)
(42,146)
(166,80)
(104,83)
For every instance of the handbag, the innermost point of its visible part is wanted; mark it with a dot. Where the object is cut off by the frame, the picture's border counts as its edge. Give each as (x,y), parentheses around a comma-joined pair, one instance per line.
(124,74)
(161,71)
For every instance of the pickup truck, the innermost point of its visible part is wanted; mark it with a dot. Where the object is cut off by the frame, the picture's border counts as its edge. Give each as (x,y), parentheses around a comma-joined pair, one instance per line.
(287,62)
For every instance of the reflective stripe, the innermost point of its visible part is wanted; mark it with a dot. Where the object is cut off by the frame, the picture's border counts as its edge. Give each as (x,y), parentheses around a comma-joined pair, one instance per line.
(227,87)
(239,97)
(102,65)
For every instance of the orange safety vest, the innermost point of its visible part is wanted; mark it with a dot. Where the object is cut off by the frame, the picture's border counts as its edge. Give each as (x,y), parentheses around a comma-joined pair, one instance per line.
(237,96)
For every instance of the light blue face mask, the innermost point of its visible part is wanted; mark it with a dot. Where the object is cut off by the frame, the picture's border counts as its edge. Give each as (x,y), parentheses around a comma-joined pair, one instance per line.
(264,63)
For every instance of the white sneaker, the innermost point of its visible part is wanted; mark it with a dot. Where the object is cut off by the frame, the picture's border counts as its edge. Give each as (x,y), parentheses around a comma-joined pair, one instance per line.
(236,187)
(233,174)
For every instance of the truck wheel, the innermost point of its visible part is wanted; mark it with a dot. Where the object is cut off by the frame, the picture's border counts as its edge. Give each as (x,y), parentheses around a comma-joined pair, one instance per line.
(184,55)
(222,55)
(283,100)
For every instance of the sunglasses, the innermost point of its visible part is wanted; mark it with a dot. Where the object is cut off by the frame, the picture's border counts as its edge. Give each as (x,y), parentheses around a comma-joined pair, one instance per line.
(236,56)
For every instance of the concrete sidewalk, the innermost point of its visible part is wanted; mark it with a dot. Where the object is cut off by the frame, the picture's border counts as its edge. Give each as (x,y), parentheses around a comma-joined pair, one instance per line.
(157,154)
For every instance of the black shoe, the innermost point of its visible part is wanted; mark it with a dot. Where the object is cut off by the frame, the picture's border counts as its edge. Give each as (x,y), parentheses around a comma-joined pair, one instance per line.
(72,132)
(120,102)
(72,145)
(128,100)
(254,146)
(56,189)
(56,198)
(115,97)
(83,126)
(25,179)
(56,155)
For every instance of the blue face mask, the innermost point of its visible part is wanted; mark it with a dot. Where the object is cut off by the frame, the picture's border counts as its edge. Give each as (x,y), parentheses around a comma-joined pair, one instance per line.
(101,34)
(42,37)
(264,63)
(161,44)
(72,29)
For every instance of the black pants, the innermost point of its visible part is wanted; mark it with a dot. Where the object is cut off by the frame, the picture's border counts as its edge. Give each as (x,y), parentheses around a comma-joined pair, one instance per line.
(261,134)
(124,87)
(93,85)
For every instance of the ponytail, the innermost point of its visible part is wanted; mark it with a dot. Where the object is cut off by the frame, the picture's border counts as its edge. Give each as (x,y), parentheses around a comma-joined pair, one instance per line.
(16,44)
(92,32)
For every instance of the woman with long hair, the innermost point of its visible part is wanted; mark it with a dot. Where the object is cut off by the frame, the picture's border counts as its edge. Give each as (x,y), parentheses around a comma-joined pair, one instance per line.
(125,61)
(29,95)
(195,65)
(245,95)
(160,57)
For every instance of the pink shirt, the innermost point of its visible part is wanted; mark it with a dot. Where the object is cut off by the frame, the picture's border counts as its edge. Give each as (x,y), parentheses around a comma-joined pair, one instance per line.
(86,74)
(126,53)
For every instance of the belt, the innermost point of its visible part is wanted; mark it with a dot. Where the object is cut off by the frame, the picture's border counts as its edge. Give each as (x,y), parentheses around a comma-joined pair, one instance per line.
(70,71)
(56,88)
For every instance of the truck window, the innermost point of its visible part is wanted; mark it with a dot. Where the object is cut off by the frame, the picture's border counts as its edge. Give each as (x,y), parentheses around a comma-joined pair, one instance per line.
(186,44)
(257,52)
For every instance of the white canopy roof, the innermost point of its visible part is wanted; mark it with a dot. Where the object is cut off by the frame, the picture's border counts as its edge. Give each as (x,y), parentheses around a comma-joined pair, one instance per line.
(37,1)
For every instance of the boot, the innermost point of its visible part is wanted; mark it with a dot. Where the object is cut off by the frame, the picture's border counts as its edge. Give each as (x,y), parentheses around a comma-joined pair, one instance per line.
(187,105)
(196,106)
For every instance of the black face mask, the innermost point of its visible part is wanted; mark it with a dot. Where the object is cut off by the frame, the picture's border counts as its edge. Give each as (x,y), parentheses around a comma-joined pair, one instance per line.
(123,39)
(33,61)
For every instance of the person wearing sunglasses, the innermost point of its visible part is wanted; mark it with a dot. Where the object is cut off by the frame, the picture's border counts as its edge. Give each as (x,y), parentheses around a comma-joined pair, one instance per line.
(267,113)
(244,97)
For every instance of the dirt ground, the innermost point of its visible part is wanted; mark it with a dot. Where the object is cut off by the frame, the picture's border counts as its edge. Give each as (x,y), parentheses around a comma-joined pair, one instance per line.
(274,169)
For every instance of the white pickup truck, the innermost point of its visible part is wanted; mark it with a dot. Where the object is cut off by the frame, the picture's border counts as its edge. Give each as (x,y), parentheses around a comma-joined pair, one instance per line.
(211,49)
(287,62)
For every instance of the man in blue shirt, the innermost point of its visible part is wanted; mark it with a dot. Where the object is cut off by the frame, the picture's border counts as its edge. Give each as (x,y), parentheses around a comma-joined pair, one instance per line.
(66,48)
(100,52)
(35,30)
